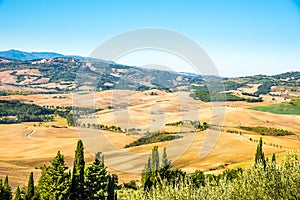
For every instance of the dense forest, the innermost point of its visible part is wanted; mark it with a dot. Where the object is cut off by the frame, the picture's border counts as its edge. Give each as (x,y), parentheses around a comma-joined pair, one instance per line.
(16,112)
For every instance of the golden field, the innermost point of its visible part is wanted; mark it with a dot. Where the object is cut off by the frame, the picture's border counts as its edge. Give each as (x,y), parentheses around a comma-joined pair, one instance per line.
(26,147)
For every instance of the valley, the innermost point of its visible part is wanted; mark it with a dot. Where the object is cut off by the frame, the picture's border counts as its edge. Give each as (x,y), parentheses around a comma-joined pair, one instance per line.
(27,146)
(123,112)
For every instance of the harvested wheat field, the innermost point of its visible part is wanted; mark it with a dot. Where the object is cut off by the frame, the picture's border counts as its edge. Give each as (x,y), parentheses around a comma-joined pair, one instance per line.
(25,147)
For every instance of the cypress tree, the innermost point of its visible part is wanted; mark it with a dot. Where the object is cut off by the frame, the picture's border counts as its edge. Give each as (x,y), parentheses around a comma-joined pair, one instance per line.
(77,187)
(1,189)
(164,160)
(153,170)
(155,160)
(6,193)
(111,184)
(54,182)
(273,158)
(146,173)
(148,165)
(96,181)
(259,155)
(30,188)
(18,194)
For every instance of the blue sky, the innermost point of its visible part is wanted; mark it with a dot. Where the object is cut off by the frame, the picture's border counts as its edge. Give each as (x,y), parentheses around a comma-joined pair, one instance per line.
(243,37)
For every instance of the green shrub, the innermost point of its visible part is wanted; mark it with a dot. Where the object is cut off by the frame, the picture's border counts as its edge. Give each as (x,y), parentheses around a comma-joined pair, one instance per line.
(275,181)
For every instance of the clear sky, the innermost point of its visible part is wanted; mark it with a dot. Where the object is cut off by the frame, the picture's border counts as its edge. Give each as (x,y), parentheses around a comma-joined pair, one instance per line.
(242,37)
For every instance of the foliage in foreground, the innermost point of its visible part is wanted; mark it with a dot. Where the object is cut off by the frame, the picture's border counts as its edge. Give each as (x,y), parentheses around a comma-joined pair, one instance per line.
(156,170)
(5,190)
(272,181)
(264,180)
(86,182)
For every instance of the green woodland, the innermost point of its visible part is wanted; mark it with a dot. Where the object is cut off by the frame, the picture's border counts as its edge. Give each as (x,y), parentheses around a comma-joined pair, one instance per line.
(207,96)
(267,178)
(16,112)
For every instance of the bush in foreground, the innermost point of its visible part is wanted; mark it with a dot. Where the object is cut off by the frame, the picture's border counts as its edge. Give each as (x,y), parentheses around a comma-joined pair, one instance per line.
(273,181)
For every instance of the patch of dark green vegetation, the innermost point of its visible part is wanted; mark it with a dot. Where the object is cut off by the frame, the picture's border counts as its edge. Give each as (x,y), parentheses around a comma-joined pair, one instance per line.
(250,94)
(289,78)
(20,92)
(8,92)
(232,85)
(267,130)
(265,88)
(20,78)
(100,127)
(219,97)
(153,138)
(199,87)
(16,112)
(188,123)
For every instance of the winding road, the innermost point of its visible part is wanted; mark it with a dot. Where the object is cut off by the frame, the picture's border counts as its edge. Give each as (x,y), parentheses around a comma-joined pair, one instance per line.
(31,133)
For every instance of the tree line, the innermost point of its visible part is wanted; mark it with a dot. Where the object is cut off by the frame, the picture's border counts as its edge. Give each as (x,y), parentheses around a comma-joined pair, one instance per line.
(267,130)
(207,96)
(17,112)
(160,180)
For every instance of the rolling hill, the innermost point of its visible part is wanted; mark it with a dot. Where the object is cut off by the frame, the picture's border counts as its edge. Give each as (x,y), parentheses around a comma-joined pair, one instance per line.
(69,73)
(53,72)
(25,56)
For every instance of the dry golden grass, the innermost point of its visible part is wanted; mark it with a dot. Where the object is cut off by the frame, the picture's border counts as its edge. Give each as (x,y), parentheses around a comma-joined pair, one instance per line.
(20,154)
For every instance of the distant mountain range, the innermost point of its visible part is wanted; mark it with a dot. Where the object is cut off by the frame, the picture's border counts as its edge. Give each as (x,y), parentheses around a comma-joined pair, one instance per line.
(27,56)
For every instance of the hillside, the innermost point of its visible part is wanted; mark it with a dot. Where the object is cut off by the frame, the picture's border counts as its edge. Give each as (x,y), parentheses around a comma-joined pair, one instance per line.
(67,74)
(24,81)
(25,56)
(52,72)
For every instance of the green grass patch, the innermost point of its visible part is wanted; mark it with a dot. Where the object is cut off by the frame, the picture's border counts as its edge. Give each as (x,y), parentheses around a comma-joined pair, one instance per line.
(286,108)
